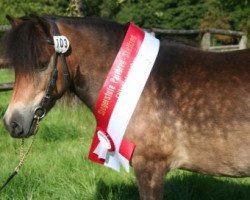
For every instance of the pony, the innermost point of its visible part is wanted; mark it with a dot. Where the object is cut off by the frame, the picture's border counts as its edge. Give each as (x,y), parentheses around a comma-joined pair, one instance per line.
(193,114)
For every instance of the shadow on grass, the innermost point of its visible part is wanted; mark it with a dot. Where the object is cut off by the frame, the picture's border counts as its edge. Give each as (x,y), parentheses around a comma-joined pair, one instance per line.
(117,191)
(184,186)
(191,186)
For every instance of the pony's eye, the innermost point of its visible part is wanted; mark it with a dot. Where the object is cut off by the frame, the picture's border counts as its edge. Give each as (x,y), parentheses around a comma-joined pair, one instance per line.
(43,64)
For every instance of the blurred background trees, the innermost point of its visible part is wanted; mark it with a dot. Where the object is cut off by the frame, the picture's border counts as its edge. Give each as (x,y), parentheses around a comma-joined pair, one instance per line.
(172,14)
(168,14)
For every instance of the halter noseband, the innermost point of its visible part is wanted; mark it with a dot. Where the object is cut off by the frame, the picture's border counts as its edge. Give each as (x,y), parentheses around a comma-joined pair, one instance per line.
(40,111)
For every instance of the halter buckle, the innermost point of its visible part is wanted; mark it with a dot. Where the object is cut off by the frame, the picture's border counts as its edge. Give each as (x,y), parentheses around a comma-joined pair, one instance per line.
(39,113)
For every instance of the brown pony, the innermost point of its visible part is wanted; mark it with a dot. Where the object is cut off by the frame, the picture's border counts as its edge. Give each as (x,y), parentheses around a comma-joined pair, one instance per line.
(194,112)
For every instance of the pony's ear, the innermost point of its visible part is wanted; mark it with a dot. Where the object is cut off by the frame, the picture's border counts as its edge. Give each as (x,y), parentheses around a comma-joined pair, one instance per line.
(41,23)
(14,21)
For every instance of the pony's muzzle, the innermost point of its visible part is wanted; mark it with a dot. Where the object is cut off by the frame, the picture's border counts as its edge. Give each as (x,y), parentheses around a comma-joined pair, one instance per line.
(16,125)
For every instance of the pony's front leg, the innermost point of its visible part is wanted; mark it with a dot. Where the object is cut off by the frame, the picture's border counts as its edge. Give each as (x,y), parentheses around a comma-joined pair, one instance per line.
(150,178)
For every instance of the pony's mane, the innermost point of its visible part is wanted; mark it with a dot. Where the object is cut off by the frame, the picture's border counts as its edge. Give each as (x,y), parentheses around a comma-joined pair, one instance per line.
(24,44)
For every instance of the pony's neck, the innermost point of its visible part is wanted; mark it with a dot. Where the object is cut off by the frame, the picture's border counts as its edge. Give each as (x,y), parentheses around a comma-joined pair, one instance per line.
(95,44)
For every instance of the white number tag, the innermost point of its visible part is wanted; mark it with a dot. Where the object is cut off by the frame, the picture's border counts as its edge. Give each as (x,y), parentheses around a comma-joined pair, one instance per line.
(61,44)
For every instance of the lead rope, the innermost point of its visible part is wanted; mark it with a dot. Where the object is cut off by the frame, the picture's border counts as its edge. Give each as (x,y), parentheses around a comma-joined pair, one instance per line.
(39,114)
(23,157)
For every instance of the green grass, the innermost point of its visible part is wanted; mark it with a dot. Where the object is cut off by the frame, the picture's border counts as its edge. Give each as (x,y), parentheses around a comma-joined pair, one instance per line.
(58,168)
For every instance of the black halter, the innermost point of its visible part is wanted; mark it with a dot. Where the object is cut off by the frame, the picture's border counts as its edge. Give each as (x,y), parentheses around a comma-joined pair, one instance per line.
(41,110)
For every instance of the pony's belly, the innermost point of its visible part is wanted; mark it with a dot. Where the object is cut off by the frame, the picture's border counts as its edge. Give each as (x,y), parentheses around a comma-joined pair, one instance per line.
(222,157)
(238,169)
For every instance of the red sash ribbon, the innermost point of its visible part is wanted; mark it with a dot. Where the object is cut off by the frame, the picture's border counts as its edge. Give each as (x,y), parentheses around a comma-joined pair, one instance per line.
(103,145)
(111,88)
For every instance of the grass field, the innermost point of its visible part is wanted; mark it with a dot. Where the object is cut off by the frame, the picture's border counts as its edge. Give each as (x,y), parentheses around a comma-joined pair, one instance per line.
(58,168)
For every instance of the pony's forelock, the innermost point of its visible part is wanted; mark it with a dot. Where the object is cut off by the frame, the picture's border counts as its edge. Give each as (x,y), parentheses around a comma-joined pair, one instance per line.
(24,45)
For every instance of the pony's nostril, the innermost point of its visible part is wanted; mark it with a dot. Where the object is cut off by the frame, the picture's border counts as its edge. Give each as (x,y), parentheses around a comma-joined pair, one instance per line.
(17,129)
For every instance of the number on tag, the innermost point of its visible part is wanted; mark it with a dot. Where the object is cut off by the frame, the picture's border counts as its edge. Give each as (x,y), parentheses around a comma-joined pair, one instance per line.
(61,44)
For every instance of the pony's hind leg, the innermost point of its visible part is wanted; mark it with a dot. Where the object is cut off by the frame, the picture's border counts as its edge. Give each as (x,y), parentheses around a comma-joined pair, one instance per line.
(150,179)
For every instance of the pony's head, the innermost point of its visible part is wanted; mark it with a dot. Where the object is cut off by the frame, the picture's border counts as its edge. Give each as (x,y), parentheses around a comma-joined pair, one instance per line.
(30,50)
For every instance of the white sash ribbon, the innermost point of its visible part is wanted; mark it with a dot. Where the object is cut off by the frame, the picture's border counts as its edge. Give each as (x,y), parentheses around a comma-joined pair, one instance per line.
(126,103)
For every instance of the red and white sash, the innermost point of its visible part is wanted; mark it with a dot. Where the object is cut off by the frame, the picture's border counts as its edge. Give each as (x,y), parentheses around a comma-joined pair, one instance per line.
(119,96)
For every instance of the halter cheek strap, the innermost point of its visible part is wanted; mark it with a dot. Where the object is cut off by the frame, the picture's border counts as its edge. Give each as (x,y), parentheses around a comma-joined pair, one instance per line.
(58,41)
(61,44)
